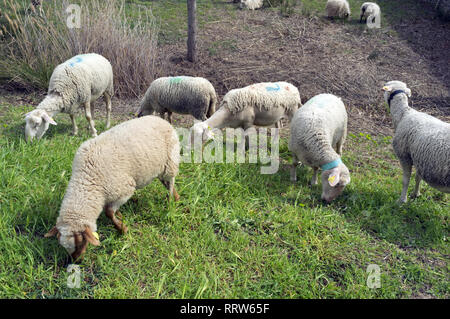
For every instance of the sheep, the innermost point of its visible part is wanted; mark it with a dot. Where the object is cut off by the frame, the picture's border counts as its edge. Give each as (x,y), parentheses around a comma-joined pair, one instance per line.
(106,171)
(420,140)
(369,9)
(251,4)
(78,81)
(338,8)
(318,133)
(261,104)
(181,94)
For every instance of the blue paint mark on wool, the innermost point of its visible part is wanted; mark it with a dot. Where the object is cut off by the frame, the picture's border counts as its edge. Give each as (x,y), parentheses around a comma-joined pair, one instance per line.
(272,89)
(176,79)
(75,60)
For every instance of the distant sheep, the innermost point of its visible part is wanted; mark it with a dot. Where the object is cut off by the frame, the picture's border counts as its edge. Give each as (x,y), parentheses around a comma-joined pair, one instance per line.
(318,133)
(76,82)
(251,4)
(369,9)
(182,94)
(420,140)
(261,104)
(107,170)
(338,8)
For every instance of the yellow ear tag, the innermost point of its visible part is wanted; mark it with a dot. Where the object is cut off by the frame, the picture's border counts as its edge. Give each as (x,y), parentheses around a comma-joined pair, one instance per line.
(386,88)
(331,179)
(96,235)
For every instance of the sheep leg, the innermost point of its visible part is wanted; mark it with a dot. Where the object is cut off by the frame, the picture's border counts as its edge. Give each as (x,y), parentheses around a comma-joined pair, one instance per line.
(405,182)
(314,177)
(169,116)
(107,98)
(74,124)
(170,185)
(87,111)
(118,224)
(416,192)
(294,168)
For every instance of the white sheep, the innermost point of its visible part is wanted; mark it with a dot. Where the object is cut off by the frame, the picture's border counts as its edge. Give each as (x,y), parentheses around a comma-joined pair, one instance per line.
(261,104)
(107,170)
(181,94)
(76,82)
(369,9)
(318,132)
(420,140)
(251,4)
(338,8)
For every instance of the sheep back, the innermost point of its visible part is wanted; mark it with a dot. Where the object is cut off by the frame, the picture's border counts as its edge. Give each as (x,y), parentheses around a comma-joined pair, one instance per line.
(264,96)
(81,79)
(337,8)
(316,128)
(181,94)
(252,4)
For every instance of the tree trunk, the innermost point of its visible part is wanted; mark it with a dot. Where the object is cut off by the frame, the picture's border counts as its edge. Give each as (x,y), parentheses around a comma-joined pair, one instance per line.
(192,30)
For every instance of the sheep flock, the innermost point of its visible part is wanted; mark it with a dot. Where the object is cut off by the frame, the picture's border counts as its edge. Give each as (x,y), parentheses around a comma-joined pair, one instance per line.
(108,168)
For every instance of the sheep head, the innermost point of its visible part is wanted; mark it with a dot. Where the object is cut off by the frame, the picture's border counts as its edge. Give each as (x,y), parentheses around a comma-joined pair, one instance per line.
(74,242)
(334,181)
(392,86)
(36,124)
(202,130)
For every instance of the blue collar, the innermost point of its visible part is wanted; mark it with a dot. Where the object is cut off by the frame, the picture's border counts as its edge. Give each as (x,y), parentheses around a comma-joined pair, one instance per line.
(391,96)
(331,165)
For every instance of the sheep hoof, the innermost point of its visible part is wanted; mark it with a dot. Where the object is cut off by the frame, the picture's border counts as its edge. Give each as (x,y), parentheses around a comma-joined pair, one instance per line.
(415,196)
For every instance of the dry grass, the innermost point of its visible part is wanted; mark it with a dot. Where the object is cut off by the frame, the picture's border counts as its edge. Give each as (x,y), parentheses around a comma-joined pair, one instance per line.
(36,42)
(318,55)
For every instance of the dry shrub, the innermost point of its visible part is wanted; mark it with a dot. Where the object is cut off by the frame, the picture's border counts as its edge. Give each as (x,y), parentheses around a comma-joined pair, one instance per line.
(36,42)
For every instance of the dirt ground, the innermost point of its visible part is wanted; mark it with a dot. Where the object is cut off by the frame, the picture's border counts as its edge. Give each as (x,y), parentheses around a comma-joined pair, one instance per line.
(317,55)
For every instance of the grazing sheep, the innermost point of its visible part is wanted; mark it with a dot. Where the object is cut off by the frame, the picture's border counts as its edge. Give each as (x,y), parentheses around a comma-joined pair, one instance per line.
(318,132)
(261,104)
(251,4)
(420,140)
(107,170)
(76,82)
(338,8)
(181,94)
(369,9)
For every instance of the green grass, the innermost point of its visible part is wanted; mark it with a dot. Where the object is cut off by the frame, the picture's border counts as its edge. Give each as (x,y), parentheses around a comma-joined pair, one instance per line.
(234,234)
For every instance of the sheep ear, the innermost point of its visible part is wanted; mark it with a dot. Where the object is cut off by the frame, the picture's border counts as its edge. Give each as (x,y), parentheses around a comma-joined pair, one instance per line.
(386,88)
(25,115)
(52,232)
(408,92)
(90,236)
(48,119)
(333,178)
